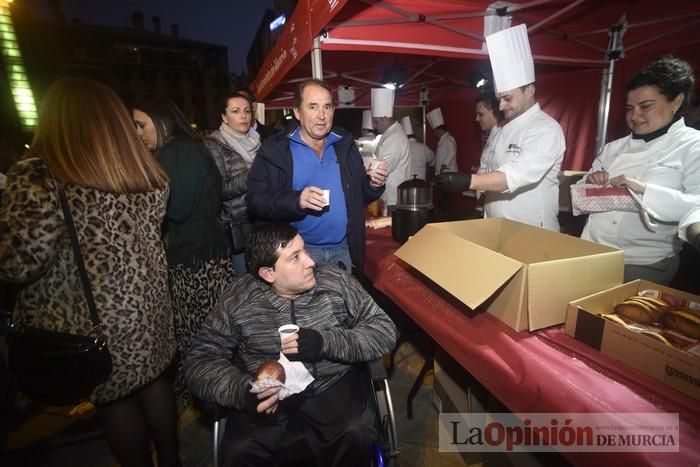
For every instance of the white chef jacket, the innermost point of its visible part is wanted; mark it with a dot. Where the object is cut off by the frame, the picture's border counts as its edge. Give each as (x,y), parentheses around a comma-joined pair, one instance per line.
(670,167)
(489,143)
(446,154)
(529,150)
(421,157)
(691,217)
(393,150)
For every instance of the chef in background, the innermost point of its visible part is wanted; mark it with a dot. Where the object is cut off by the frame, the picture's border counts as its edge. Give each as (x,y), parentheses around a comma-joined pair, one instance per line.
(367,142)
(393,149)
(446,150)
(421,155)
(487,115)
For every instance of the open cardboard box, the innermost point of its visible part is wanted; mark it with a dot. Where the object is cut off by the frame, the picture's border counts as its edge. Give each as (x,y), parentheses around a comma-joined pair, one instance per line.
(675,367)
(523,275)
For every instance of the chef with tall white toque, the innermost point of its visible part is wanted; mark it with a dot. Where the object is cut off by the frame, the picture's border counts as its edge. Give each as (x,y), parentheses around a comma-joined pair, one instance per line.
(521,181)
(392,149)
(446,150)
(421,155)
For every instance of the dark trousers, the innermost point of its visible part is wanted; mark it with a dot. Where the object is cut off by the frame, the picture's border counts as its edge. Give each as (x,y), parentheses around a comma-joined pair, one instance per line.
(334,428)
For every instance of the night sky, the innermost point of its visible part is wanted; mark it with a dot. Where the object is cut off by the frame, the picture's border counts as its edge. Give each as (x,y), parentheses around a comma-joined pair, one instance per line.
(231,23)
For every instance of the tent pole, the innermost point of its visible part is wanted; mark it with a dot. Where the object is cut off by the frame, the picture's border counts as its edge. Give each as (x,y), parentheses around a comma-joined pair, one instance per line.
(316,64)
(604,107)
(614,52)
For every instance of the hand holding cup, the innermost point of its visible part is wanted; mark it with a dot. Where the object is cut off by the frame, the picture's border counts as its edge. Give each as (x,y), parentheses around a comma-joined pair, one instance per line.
(377,172)
(289,334)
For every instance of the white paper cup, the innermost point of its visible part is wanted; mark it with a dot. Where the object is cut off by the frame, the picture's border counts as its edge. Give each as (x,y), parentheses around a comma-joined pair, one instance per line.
(326,197)
(287,330)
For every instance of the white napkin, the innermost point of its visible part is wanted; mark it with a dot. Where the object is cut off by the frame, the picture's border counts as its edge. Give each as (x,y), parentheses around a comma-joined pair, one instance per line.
(297,378)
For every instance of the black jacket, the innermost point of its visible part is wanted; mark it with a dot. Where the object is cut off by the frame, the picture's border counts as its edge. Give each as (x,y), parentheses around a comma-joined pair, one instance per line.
(271,198)
(264,131)
(193,230)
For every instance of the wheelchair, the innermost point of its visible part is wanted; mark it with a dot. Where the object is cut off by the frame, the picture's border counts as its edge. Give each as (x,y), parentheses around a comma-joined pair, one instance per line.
(385,450)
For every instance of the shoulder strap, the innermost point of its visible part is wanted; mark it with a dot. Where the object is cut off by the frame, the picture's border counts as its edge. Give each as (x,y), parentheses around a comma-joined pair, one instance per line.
(78,255)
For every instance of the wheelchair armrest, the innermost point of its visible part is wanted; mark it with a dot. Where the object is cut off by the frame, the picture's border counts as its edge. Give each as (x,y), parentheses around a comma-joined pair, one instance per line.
(212,409)
(376,370)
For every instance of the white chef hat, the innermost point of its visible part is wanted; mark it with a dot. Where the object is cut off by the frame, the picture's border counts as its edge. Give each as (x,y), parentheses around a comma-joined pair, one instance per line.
(511,58)
(367,120)
(406,124)
(435,118)
(382,102)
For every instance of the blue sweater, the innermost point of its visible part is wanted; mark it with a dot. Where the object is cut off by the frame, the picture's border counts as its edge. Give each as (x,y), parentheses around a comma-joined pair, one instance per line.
(272,197)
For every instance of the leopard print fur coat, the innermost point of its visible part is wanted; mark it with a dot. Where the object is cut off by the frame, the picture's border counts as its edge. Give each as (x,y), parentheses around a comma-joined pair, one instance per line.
(120,236)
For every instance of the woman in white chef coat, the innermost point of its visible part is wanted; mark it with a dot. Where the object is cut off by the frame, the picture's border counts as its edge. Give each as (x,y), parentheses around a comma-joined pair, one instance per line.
(660,162)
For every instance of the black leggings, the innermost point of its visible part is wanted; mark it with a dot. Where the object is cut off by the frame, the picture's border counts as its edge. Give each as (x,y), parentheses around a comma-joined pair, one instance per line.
(147,413)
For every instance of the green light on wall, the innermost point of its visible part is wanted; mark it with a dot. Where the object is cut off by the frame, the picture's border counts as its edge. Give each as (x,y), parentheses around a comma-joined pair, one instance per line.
(19,82)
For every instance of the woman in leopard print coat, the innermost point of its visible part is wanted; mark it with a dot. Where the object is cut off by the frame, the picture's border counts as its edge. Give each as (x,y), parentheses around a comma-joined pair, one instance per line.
(117,195)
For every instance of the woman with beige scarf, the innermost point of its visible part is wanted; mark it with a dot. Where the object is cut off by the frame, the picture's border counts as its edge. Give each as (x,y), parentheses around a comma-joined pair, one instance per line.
(233,147)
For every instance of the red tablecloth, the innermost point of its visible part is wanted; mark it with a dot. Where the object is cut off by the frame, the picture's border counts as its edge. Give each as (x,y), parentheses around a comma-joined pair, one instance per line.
(543,371)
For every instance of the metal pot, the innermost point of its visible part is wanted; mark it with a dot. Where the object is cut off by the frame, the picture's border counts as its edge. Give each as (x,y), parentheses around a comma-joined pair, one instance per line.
(413,208)
(414,194)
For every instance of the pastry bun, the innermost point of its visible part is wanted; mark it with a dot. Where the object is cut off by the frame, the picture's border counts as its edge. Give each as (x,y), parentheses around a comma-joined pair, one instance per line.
(683,321)
(644,310)
(271,369)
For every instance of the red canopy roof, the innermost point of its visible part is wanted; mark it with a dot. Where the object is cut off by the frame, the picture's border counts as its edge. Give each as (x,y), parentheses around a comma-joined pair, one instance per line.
(565,33)
(439,42)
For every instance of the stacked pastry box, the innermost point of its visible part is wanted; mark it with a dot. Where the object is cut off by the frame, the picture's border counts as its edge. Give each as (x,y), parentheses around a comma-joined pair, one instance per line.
(653,328)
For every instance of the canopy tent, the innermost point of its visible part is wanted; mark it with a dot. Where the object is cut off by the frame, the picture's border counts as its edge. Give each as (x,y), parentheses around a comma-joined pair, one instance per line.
(440,45)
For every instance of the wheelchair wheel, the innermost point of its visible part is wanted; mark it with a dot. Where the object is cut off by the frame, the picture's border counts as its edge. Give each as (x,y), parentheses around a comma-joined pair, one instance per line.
(378,455)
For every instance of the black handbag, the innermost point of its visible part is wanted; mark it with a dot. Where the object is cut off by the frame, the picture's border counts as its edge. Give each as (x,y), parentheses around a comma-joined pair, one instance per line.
(239,231)
(54,367)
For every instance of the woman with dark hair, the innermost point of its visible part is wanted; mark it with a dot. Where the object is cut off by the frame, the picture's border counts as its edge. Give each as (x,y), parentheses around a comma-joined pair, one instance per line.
(233,147)
(199,265)
(117,195)
(660,163)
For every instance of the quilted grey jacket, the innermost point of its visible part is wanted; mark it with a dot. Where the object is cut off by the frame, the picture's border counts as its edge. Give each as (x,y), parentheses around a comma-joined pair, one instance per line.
(241,333)
(234,175)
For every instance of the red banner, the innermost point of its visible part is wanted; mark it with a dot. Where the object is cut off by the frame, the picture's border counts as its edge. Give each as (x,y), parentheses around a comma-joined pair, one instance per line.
(307,21)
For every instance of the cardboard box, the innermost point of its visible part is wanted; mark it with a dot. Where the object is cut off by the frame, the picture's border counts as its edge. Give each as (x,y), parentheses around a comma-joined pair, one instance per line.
(523,275)
(676,368)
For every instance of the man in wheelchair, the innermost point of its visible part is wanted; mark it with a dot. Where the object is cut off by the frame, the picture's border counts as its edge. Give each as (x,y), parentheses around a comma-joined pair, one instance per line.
(340,325)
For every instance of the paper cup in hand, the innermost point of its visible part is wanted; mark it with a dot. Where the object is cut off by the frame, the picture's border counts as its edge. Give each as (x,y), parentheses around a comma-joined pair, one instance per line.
(326,197)
(287,330)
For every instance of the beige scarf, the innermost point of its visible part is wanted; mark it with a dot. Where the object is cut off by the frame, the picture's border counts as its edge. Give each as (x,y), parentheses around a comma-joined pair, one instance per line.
(246,145)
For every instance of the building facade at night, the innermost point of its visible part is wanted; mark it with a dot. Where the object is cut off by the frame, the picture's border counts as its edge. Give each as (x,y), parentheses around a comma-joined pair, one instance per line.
(137,62)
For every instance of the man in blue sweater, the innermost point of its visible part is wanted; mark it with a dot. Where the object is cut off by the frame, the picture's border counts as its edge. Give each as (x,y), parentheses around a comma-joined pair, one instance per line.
(313,177)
